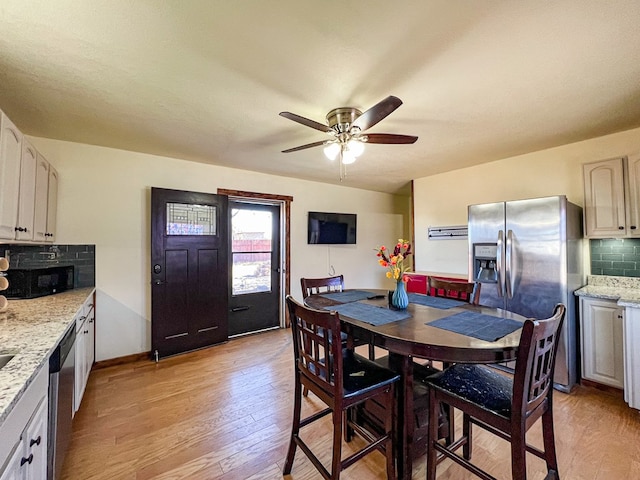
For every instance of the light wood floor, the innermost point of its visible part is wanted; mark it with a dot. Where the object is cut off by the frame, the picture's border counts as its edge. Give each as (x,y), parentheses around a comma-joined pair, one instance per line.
(225,413)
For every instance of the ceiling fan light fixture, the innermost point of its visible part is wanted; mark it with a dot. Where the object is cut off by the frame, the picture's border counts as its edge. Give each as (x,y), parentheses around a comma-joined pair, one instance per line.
(332,150)
(356,147)
(347,157)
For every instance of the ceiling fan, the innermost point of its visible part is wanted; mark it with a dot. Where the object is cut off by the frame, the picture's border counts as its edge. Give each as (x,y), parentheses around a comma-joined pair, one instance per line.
(346,126)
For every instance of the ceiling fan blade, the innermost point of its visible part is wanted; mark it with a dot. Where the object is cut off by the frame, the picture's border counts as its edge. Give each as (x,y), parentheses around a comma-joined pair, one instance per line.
(306,122)
(302,147)
(376,113)
(390,138)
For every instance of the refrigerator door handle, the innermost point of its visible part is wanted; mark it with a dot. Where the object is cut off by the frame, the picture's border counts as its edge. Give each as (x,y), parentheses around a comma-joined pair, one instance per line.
(499,258)
(508,270)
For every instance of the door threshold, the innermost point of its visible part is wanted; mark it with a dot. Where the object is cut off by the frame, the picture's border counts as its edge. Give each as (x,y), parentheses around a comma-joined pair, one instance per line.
(238,335)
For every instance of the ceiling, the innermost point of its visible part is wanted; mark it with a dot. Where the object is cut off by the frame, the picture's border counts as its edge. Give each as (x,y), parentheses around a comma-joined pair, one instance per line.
(204,80)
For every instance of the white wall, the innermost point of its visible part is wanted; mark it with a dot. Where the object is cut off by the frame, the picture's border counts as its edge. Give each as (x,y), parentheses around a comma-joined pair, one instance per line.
(443,199)
(104,199)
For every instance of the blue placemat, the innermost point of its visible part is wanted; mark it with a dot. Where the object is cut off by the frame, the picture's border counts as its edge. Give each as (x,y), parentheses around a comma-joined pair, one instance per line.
(477,325)
(348,296)
(369,313)
(437,302)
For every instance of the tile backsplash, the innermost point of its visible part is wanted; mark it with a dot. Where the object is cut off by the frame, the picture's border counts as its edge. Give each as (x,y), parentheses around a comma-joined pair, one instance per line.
(613,256)
(82,257)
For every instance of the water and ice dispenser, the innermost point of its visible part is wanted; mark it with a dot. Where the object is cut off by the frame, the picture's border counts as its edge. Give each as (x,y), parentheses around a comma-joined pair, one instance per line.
(484,262)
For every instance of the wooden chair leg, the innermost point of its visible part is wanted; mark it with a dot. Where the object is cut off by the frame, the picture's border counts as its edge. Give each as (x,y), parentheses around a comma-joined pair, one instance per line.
(467,432)
(295,429)
(548,438)
(388,428)
(432,436)
(518,454)
(336,461)
(449,415)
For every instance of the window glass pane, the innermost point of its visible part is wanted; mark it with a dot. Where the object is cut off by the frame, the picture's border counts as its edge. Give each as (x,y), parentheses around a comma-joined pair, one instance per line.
(189,219)
(251,250)
(251,273)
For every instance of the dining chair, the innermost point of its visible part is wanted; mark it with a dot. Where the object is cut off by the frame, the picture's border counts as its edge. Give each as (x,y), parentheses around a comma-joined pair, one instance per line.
(342,379)
(371,412)
(311,286)
(506,407)
(468,291)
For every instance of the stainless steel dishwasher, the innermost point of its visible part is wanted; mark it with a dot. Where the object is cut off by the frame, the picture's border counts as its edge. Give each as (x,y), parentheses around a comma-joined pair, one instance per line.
(61,383)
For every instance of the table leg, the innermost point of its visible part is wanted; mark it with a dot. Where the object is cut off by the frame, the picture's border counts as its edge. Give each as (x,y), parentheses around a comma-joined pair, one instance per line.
(403,364)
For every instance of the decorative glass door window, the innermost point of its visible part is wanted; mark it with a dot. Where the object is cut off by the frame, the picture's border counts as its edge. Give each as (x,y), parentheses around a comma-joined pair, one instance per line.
(251,248)
(190,219)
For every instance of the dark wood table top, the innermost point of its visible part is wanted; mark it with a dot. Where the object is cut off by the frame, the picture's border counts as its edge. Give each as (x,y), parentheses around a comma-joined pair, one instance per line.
(413,336)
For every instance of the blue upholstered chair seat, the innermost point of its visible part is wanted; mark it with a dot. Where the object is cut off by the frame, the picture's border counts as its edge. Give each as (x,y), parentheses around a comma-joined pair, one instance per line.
(478,384)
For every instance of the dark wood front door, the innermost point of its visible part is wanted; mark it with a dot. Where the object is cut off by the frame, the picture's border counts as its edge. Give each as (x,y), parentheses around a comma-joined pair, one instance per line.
(189,271)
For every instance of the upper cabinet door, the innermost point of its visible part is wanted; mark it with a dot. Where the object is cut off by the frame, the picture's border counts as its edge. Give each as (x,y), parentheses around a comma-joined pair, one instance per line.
(52,205)
(604,202)
(10,152)
(633,196)
(26,201)
(41,198)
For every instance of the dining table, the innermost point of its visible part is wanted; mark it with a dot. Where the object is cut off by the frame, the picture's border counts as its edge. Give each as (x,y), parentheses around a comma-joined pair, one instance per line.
(432,328)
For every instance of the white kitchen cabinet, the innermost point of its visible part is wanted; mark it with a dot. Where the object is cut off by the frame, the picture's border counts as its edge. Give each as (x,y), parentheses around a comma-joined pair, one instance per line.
(52,205)
(35,443)
(41,199)
(29,460)
(10,153)
(28,188)
(632,357)
(84,350)
(23,448)
(612,198)
(602,340)
(26,202)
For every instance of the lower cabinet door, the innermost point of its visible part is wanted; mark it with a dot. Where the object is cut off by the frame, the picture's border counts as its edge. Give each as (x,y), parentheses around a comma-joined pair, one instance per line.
(80,363)
(602,341)
(14,469)
(29,459)
(35,443)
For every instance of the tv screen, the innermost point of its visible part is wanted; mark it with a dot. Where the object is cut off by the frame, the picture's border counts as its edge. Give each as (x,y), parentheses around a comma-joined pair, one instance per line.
(331,228)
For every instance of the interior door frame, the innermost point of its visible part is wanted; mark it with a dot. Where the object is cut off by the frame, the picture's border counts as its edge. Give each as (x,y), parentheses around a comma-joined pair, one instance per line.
(285,236)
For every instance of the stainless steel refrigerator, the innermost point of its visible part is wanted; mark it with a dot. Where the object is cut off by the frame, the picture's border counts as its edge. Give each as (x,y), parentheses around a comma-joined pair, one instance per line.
(527,254)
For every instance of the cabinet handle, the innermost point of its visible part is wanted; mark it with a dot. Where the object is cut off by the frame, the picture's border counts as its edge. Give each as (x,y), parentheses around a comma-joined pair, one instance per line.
(86,331)
(35,442)
(29,459)
(620,228)
(620,316)
(632,227)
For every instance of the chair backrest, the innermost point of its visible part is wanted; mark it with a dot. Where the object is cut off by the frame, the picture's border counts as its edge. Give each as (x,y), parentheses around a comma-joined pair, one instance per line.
(311,286)
(452,289)
(317,348)
(535,363)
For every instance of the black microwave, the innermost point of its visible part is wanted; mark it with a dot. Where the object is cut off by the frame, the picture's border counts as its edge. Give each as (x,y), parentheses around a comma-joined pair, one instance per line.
(37,282)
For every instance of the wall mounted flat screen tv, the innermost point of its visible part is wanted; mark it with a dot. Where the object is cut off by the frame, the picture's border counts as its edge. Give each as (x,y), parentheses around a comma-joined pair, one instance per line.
(331,228)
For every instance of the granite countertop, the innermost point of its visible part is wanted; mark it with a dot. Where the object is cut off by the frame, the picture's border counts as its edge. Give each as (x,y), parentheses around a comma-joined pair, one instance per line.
(626,290)
(32,329)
